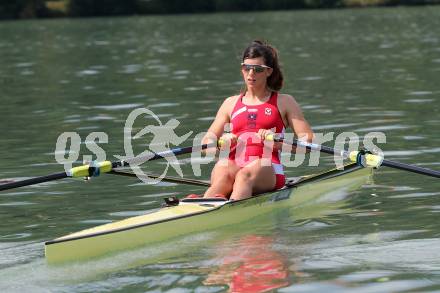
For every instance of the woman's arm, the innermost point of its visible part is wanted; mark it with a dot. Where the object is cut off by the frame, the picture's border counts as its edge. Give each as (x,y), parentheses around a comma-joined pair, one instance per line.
(216,129)
(294,118)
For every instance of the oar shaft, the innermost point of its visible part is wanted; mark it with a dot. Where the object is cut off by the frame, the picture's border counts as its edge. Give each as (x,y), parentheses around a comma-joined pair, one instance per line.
(345,154)
(316,147)
(32,181)
(162,178)
(164,154)
(93,169)
(411,168)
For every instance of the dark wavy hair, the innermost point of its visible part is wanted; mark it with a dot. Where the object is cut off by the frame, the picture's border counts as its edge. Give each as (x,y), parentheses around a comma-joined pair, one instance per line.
(270,55)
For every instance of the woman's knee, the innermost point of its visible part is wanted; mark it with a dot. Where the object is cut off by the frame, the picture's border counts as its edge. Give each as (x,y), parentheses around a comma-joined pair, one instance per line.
(245,175)
(222,180)
(222,176)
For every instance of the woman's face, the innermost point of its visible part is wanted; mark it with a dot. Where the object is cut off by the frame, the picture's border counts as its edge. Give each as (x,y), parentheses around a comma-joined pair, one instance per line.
(255,72)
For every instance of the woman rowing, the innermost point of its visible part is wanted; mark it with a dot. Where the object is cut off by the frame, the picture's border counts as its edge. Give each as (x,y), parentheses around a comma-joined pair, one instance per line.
(253,165)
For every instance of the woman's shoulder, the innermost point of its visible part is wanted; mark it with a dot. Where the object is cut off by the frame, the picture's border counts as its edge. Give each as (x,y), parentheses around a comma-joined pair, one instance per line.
(232,99)
(285,99)
(229,104)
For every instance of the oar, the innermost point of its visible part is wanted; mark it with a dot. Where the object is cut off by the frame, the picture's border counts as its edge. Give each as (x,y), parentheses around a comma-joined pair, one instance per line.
(162,178)
(370,159)
(94,169)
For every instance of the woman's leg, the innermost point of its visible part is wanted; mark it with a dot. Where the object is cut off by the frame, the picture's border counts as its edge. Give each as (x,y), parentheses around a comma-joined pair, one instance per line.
(256,177)
(222,178)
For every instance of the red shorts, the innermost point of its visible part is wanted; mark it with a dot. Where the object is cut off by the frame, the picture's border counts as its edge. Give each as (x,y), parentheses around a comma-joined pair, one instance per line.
(280,181)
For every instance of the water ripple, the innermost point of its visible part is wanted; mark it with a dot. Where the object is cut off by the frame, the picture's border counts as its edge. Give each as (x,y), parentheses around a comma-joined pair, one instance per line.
(419,100)
(195,88)
(411,152)
(17,203)
(100,118)
(415,195)
(413,137)
(420,93)
(383,113)
(118,107)
(385,127)
(312,78)
(385,287)
(209,118)
(161,105)
(129,213)
(15,236)
(95,222)
(415,254)
(131,68)
(24,64)
(334,126)
(87,72)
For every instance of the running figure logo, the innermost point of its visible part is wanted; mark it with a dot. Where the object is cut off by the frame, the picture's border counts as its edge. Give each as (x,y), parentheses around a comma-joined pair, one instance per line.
(163,137)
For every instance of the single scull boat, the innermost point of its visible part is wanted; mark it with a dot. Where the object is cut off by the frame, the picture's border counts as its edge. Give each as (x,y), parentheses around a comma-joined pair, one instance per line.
(197,215)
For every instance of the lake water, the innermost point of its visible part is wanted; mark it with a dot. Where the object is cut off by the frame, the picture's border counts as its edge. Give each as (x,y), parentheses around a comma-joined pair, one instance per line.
(358,71)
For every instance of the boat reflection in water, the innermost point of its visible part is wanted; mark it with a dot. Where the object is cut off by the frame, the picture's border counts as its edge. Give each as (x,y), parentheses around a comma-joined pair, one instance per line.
(250,265)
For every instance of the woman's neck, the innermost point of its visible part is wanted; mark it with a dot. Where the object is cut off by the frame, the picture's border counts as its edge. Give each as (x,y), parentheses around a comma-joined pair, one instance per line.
(257,95)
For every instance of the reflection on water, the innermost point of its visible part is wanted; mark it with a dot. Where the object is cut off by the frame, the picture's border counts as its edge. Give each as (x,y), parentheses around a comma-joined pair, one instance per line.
(351,70)
(248,265)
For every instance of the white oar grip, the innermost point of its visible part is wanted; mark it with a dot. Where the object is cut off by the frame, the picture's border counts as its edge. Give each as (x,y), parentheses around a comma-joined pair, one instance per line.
(83,171)
(370,160)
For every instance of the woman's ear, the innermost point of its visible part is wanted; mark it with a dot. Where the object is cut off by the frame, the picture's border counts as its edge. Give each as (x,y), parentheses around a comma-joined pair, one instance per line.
(269,72)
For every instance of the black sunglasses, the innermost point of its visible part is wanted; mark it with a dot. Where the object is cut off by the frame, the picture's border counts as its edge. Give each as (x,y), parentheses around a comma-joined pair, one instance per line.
(255,67)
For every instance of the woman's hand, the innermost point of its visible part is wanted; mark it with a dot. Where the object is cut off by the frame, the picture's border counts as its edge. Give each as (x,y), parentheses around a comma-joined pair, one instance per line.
(264,133)
(227,140)
(210,139)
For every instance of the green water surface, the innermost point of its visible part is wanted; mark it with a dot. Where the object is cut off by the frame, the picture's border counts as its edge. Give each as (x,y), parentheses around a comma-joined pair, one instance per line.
(358,71)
